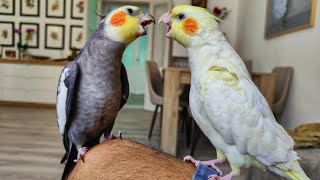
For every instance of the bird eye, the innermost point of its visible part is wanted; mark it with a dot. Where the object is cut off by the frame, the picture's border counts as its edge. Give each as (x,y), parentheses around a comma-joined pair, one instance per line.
(130,11)
(181,16)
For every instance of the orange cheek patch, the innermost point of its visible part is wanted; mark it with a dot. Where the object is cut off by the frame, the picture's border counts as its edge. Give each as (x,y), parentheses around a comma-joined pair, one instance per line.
(190,26)
(118,19)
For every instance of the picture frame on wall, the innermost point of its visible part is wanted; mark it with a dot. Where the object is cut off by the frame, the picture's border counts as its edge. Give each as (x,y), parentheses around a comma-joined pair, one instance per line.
(77,37)
(30,34)
(10,53)
(54,36)
(55,8)
(7,7)
(200,3)
(284,16)
(6,33)
(77,9)
(30,7)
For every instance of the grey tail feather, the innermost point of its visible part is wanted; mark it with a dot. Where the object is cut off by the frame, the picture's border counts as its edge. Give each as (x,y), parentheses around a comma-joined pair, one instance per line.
(70,163)
(64,158)
(66,147)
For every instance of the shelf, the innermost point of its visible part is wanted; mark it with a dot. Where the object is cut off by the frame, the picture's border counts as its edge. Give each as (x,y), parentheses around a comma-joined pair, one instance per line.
(35,62)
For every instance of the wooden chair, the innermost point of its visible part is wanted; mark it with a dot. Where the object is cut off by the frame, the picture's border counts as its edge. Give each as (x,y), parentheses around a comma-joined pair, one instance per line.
(155,85)
(283,81)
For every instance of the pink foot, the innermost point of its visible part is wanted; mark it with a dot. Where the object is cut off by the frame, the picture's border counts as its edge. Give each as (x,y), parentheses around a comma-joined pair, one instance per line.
(226,177)
(111,136)
(210,163)
(81,152)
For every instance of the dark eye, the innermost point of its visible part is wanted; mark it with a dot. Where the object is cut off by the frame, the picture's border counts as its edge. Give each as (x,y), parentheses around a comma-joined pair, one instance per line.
(130,11)
(181,16)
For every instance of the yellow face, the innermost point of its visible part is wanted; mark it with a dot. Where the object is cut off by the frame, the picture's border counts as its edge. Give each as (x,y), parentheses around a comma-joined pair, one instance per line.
(127,23)
(185,23)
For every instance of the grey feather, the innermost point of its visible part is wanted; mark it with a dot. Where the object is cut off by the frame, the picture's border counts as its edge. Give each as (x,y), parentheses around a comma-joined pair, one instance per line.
(97,89)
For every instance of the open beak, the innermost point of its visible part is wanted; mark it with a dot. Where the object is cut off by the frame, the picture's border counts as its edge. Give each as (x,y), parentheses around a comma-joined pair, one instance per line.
(145,20)
(165,18)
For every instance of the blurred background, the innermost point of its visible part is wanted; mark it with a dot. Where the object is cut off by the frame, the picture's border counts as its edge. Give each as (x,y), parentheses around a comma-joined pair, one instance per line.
(277,39)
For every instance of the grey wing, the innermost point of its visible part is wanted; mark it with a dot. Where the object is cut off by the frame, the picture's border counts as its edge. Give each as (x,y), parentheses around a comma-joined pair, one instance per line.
(65,94)
(125,86)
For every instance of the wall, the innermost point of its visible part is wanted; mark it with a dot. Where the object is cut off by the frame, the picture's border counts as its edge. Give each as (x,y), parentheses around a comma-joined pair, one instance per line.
(42,20)
(299,50)
(29,83)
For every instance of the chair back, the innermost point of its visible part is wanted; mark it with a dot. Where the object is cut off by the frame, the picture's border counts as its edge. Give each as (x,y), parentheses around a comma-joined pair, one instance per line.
(155,82)
(248,64)
(283,81)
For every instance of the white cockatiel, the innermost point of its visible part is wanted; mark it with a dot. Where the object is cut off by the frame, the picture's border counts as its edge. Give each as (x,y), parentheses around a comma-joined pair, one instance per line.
(224,101)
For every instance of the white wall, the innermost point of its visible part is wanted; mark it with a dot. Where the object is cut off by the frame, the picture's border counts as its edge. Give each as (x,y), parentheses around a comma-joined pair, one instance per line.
(42,20)
(299,50)
(229,26)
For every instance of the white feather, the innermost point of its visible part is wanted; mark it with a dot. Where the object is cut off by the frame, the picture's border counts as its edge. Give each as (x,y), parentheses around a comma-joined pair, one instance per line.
(61,101)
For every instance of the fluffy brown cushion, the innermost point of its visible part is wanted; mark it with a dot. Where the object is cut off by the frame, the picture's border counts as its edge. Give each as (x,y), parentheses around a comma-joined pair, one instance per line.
(123,159)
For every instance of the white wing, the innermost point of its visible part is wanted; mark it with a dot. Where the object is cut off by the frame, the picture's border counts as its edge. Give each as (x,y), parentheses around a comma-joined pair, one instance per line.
(242,116)
(65,94)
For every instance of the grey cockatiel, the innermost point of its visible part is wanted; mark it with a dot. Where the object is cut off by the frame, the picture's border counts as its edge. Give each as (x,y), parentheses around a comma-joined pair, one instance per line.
(94,87)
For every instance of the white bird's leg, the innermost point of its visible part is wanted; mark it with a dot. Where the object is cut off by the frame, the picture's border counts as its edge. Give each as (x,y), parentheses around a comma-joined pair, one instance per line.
(210,163)
(111,136)
(81,152)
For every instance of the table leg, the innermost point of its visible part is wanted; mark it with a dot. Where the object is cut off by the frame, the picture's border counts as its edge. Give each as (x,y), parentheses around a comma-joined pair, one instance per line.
(169,130)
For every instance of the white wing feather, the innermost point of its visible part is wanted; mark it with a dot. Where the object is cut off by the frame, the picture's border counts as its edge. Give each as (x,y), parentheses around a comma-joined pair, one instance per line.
(62,100)
(242,116)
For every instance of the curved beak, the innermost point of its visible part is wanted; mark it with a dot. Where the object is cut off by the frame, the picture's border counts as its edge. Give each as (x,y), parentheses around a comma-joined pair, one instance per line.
(145,20)
(165,18)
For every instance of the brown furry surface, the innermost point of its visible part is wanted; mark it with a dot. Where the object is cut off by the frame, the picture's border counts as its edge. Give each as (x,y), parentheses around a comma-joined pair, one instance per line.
(124,159)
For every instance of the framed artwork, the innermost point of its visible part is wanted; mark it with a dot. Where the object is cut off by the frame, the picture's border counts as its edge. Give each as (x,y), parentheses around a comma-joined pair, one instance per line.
(29,7)
(6,33)
(200,3)
(77,37)
(285,16)
(30,34)
(77,9)
(54,36)
(10,53)
(56,8)
(7,7)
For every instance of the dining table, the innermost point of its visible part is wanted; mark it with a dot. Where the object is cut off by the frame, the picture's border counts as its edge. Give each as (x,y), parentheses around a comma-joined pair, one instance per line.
(173,78)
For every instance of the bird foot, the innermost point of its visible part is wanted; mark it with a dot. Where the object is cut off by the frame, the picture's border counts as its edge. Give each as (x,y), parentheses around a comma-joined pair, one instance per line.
(81,152)
(111,136)
(226,177)
(210,163)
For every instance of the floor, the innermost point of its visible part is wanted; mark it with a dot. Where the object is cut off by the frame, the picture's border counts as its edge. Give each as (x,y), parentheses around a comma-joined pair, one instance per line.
(31,146)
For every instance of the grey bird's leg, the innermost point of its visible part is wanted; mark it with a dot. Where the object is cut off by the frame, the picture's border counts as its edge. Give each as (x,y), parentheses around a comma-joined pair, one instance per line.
(81,152)
(112,136)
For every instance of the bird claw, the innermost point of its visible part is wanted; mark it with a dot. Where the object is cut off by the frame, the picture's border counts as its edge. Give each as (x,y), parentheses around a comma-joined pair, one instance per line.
(111,136)
(81,152)
(190,158)
(210,163)
(216,177)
